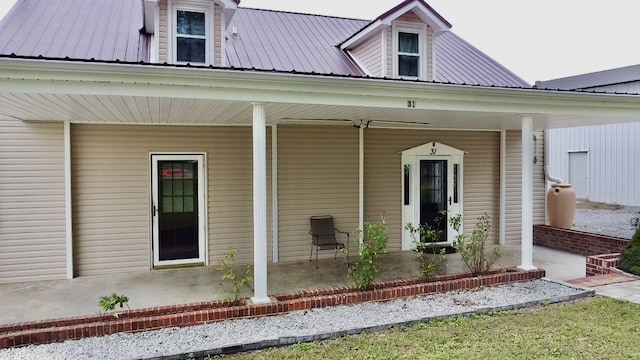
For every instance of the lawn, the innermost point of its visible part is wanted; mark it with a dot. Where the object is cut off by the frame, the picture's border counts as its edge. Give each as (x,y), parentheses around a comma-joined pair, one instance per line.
(596,328)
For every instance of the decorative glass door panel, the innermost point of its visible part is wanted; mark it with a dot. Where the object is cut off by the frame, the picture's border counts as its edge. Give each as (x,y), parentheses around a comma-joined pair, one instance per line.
(433,195)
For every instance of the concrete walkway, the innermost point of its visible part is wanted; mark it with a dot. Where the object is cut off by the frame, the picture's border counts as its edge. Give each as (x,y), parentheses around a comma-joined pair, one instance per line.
(613,285)
(63,298)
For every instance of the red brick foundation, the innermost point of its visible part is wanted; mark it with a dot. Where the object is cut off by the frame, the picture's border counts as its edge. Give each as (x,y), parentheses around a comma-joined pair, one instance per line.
(602,264)
(576,242)
(39,332)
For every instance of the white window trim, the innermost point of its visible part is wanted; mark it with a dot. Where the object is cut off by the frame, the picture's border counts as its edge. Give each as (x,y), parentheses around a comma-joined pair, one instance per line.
(415,28)
(206,7)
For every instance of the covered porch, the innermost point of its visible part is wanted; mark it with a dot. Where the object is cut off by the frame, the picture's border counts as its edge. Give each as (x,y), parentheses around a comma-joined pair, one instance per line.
(22,302)
(54,92)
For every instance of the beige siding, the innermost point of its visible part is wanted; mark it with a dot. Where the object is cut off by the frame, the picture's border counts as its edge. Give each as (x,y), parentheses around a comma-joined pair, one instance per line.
(429,54)
(32,208)
(383,186)
(218,36)
(111,192)
(369,54)
(513,221)
(410,17)
(317,175)
(389,52)
(163,52)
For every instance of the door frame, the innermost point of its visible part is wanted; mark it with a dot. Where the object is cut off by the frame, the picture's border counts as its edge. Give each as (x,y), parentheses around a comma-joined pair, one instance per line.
(203,239)
(411,211)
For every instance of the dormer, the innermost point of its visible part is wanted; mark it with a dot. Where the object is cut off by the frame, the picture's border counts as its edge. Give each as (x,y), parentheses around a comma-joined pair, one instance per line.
(188,31)
(399,43)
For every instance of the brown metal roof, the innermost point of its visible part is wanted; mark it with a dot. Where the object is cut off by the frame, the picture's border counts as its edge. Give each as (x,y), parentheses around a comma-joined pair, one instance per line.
(106,30)
(593,80)
(82,29)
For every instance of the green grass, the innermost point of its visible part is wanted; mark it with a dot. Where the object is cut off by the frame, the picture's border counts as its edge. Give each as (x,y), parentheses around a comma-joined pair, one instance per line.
(596,328)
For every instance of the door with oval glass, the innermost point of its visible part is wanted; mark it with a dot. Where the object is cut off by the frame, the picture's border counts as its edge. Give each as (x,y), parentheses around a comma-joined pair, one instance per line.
(177,209)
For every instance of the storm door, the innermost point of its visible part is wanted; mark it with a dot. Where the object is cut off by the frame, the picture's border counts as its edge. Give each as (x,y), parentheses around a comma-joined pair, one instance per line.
(178,209)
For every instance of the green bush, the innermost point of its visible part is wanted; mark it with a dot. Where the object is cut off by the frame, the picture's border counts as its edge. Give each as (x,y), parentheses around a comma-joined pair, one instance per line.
(472,246)
(232,292)
(428,256)
(630,255)
(374,242)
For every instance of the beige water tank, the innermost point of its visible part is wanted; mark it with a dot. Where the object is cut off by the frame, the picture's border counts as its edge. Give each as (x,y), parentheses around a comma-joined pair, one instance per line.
(561,205)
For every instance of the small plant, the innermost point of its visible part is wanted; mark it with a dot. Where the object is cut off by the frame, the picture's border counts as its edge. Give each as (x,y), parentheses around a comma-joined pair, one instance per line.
(425,238)
(374,242)
(630,255)
(109,303)
(232,293)
(472,247)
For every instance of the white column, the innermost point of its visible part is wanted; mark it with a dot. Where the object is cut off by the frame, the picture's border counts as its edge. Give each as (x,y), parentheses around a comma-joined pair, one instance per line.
(68,206)
(274,192)
(361,178)
(527,194)
(259,204)
(503,186)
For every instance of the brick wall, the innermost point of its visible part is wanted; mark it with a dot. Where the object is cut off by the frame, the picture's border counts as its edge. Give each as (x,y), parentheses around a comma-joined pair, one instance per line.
(602,264)
(576,242)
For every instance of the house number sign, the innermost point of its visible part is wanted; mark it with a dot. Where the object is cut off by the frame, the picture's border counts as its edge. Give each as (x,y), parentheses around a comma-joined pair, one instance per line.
(411,104)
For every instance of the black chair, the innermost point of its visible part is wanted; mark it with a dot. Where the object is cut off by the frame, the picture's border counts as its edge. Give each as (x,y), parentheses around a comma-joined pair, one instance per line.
(323,236)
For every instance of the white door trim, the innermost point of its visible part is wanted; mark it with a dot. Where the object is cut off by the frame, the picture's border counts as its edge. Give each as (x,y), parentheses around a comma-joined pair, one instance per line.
(411,211)
(201,158)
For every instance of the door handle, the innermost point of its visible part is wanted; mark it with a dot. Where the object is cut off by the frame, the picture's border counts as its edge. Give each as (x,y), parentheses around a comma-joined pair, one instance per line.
(154,210)
(449,200)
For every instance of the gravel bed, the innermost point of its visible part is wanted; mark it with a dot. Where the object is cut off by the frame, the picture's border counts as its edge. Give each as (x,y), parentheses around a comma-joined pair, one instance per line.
(301,323)
(606,221)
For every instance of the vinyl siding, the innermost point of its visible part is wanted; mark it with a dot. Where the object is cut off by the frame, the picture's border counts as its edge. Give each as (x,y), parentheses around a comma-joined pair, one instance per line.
(410,17)
(369,54)
(32,207)
(111,195)
(317,175)
(163,36)
(217,36)
(513,219)
(383,183)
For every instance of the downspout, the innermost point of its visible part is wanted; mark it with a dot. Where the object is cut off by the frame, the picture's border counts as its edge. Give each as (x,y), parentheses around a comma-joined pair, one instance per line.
(547,175)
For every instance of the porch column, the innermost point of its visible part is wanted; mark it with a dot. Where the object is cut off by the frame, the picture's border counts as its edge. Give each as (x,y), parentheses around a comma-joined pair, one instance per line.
(527,194)
(361,180)
(259,204)
(503,187)
(68,206)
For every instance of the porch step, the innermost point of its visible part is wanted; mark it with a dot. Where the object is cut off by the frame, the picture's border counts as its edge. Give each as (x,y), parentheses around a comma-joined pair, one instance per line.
(599,280)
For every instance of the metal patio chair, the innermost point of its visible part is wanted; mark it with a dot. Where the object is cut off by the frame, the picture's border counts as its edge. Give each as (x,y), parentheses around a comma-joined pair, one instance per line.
(323,236)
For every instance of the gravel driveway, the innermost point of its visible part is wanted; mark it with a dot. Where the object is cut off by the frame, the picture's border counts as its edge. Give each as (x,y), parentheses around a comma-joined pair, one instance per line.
(606,219)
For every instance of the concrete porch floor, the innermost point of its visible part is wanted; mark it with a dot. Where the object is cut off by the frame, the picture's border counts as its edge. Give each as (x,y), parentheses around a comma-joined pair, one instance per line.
(63,298)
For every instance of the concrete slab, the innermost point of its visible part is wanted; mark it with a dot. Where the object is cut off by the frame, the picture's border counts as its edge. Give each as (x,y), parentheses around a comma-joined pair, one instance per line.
(63,298)
(627,291)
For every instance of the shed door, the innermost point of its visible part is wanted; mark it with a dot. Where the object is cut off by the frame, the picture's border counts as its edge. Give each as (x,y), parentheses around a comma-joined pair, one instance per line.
(578,170)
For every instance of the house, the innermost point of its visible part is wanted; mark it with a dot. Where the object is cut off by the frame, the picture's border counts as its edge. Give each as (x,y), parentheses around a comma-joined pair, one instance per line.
(600,161)
(136,135)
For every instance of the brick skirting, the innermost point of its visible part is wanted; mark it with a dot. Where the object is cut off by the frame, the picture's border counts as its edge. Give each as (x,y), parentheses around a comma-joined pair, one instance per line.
(577,242)
(39,332)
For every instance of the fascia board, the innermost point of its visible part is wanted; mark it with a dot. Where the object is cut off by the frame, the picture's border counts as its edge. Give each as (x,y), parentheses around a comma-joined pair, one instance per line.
(133,80)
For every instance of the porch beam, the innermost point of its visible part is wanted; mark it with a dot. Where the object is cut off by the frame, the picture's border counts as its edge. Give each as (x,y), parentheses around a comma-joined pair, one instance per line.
(526,262)
(68,205)
(260,204)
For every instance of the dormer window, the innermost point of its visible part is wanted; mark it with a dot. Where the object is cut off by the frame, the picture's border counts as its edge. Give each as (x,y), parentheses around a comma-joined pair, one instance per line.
(409,58)
(192,22)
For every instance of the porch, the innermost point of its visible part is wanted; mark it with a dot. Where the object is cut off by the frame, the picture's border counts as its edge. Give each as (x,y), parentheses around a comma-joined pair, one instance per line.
(64,298)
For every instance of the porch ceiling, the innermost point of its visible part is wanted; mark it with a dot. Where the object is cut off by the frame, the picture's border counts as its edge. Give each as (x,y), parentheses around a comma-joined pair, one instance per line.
(108,93)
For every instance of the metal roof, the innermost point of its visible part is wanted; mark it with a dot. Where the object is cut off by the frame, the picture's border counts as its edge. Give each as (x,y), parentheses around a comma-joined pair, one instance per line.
(108,30)
(595,79)
(81,29)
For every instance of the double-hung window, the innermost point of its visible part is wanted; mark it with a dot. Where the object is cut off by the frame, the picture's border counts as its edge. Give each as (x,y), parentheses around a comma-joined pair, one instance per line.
(191,34)
(409,51)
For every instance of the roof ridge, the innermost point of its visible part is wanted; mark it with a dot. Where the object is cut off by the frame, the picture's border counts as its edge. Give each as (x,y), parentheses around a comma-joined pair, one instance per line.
(301,13)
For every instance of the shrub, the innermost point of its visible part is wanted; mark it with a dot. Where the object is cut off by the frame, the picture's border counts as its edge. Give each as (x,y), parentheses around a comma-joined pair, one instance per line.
(424,239)
(374,242)
(472,246)
(232,293)
(630,255)
(109,303)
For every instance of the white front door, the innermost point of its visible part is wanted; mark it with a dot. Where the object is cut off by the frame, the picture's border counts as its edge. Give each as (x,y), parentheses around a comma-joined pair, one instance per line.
(432,190)
(178,209)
